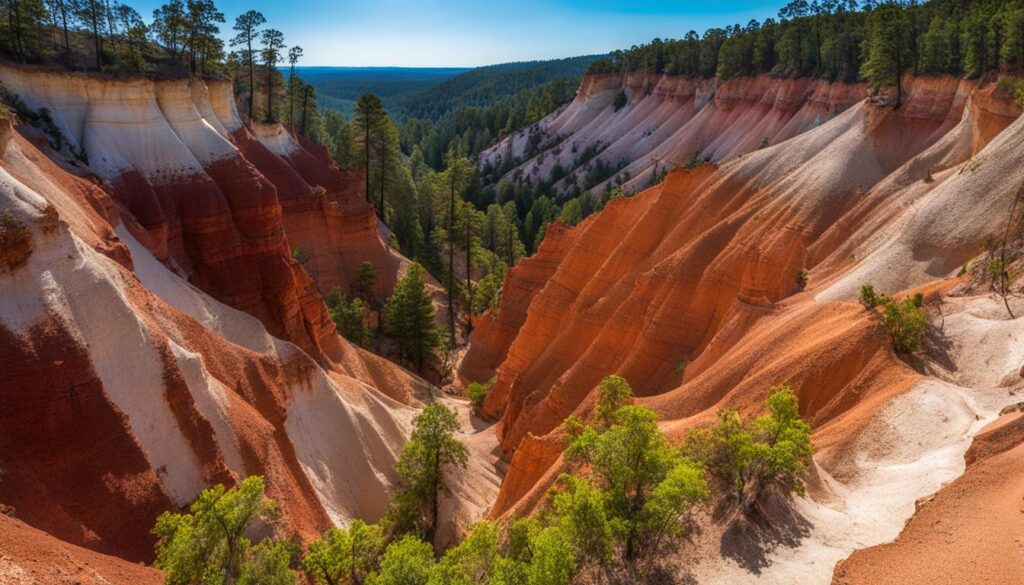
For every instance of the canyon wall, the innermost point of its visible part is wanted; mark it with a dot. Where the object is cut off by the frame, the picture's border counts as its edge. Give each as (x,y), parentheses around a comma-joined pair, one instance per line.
(689,290)
(666,121)
(157,336)
(227,206)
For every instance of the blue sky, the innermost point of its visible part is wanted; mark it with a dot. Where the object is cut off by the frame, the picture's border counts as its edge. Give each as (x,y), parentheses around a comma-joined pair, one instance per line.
(467,33)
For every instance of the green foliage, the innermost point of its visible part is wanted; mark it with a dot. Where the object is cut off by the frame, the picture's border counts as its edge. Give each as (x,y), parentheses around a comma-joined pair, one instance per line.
(620,100)
(552,562)
(477,392)
(487,294)
(366,276)
(629,461)
(905,321)
(580,509)
(887,47)
(407,561)
(269,563)
(472,561)
(431,448)
(349,317)
(409,318)
(772,452)
(801,279)
(345,555)
(1012,87)
(612,394)
(640,492)
(484,86)
(209,544)
(869,298)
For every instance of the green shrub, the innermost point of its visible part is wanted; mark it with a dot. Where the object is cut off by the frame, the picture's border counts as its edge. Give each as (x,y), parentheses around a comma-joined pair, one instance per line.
(349,317)
(210,543)
(620,100)
(869,298)
(801,279)
(905,321)
(477,392)
(772,452)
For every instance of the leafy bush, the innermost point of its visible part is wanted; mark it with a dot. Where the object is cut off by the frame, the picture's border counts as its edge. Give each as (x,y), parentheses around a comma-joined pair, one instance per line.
(210,543)
(801,279)
(477,392)
(620,100)
(641,490)
(349,317)
(905,321)
(869,298)
(345,554)
(613,393)
(1011,87)
(749,458)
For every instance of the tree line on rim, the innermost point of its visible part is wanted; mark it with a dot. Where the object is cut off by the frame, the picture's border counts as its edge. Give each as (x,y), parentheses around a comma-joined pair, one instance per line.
(846,40)
(626,502)
(182,37)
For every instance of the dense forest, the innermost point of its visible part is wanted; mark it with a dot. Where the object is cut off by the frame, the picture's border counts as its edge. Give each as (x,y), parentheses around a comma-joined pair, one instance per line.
(338,88)
(846,40)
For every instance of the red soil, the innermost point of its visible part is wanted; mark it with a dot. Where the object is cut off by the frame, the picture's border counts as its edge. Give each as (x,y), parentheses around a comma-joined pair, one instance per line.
(972,531)
(32,557)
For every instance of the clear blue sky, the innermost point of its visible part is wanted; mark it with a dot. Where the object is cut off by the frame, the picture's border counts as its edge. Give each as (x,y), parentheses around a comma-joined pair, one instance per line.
(419,33)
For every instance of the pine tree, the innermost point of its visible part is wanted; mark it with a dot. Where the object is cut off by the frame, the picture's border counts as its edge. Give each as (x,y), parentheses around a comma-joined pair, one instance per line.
(409,318)
(273,42)
(454,181)
(887,48)
(247,25)
(369,116)
(432,447)
(294,54)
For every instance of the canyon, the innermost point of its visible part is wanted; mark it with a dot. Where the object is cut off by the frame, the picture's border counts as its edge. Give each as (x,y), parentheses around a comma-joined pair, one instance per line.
(163,329)
(689,290)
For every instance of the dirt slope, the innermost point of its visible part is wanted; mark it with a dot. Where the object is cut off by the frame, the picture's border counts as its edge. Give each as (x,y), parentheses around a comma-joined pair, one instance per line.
(32,557)
(969,532)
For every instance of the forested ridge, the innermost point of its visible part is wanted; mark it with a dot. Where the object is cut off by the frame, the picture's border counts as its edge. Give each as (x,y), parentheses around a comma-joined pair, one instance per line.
(483,86)
(845,40)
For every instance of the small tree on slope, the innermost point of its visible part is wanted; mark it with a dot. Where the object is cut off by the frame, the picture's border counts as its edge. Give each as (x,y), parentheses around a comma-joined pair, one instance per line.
(749,458)
(208,545)
(431,448)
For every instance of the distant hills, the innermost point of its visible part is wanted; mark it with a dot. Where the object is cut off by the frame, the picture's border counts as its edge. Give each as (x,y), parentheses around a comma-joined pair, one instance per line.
(432,92)
(338,88)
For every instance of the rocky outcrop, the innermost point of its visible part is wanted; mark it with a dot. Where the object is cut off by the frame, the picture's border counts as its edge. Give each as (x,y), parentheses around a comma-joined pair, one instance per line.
(225,208)
(160,337)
